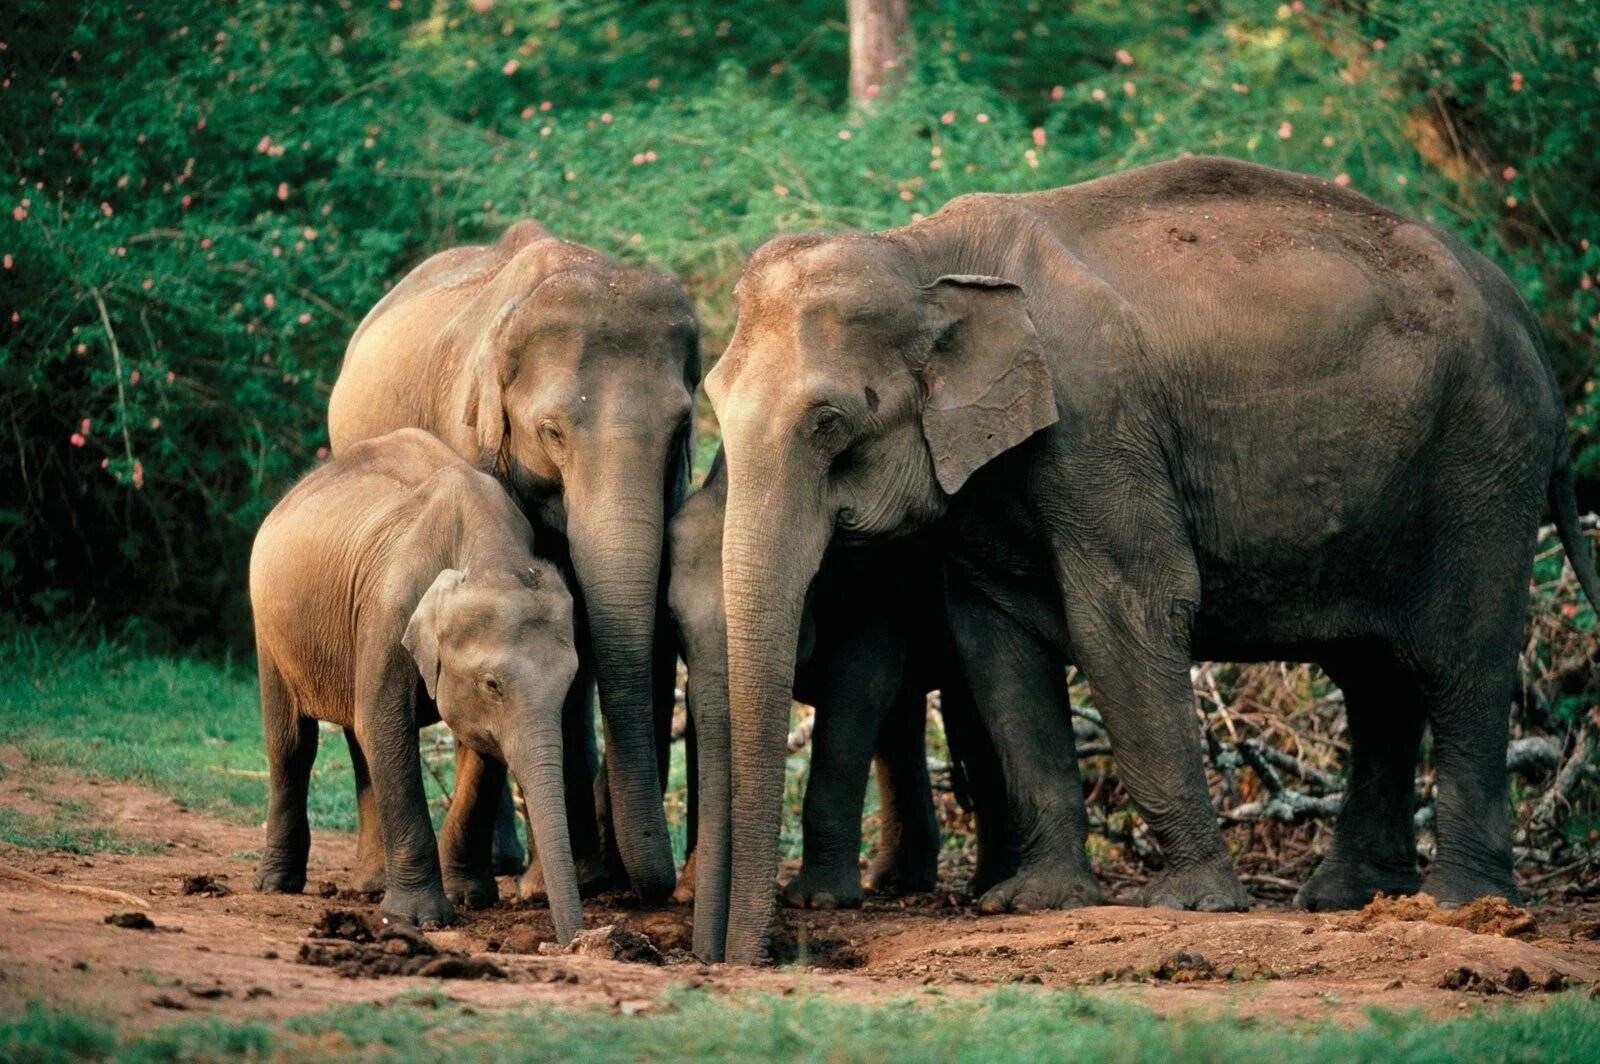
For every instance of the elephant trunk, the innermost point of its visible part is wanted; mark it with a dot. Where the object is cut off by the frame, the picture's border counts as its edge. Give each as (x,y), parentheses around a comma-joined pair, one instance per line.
(772,547)
(535,761)
(616,543)
(706,654)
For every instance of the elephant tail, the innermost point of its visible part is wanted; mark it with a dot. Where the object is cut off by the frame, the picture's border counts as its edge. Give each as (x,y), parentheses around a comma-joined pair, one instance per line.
(1564,504)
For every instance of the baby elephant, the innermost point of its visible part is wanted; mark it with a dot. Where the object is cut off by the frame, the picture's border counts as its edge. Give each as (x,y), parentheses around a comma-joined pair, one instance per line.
(394,558)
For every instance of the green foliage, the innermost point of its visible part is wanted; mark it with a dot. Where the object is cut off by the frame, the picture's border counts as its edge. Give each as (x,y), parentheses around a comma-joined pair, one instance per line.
(207,198)
(1002,1025)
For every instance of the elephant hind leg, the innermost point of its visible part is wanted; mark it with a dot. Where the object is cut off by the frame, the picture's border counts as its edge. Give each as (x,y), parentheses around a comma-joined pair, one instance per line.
(466,840)
(1374,840)
(291,741)
(368,877)
(908,848)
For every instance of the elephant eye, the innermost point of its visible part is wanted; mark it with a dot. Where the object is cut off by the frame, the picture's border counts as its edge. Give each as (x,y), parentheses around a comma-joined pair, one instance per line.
(551,433)
(827,421)
(491,684)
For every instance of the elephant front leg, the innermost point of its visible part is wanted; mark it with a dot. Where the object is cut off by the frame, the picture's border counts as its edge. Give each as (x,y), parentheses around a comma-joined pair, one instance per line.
(1019,687)
(368,875)
(386,728)
(466,841)
(1132,641)
(908,848)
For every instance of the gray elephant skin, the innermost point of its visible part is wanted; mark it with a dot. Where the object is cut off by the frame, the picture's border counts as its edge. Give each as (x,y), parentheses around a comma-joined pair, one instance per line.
(872,644)
(391,588)
(568,377)
(1197,409)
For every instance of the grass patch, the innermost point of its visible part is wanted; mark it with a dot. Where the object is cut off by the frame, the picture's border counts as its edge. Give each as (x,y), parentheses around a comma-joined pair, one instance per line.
(65,829)
(1001,1026)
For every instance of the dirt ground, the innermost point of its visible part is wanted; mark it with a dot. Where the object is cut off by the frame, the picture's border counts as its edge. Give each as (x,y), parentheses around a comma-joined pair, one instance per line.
(229,951)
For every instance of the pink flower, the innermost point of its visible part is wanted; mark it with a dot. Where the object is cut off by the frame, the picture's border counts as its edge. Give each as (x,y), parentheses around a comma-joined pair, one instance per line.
(1098,94)
(322,452)
(872,91)
(1038,137)
(527,112)
(138,474)
(1379,44)
(133,378)
(1342,179)
(269,300)
(981,117)
(605,118)
(264,145)
(283,190)
(84,426)
(1057,92)
(19,213)
(304,318)
(1129,88)
(309,233)
(510,67)
(1285,130)
(1509,172)
(186,201)
(171,376)
(8,262)
(1124,57)
(155,423)
(1585,284)
(1516,81)
(905,195)
(948,117)
(546,106)
(105,209)
(480,6)
(844,134)
(205,242)
(76,439)
(1511,201)
(781,190)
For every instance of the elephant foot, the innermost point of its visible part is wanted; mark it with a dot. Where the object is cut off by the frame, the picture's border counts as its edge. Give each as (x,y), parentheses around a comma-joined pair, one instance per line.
(369,879)
(592,879)
(1340,884)
(898,874)
(1031,890)
(823,889)
(471,892)
(1212,887)
(1452,885)
(683,893)
(427,907)
(275,879)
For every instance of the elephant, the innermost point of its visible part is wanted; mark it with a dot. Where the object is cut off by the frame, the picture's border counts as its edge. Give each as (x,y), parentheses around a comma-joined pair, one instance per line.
(1201,408)
(873,642)
(568,377)
(395,559)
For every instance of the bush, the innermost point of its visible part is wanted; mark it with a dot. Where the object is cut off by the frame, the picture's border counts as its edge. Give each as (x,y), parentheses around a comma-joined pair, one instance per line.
(209,197)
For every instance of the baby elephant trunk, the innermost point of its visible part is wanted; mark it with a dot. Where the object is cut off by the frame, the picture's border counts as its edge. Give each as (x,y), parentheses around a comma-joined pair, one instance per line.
(534,758)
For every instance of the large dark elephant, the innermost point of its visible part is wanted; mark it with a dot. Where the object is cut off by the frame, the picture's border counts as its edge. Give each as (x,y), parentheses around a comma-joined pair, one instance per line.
(1201,408)
(873,642)
(569,377)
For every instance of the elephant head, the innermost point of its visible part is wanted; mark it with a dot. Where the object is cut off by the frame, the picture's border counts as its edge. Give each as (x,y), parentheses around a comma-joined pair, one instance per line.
(863,386)
(495,653)
(579,396)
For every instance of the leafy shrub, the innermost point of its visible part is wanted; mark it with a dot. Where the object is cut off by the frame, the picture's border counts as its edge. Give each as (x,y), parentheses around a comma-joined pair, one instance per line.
(208,197)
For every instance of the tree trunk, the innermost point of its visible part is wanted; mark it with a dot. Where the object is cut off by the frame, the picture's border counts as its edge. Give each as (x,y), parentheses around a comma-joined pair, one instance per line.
(880,47)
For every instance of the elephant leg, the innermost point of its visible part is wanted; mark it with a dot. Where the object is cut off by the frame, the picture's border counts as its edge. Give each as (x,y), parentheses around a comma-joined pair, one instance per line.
(853,695)
(368,875)
(1471,725)
(1019,687)
(291,742)
(583,784)
(973,756)
(466,840)
(386,728)
(1374,841)
(691,767)
(509,857)
(908,848)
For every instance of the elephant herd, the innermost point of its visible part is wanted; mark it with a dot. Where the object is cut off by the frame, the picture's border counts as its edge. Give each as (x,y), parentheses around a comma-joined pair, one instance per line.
(1200,409)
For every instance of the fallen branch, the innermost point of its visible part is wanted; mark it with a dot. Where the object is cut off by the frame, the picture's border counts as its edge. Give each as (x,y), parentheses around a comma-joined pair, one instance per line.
(1567,780)
(115,897)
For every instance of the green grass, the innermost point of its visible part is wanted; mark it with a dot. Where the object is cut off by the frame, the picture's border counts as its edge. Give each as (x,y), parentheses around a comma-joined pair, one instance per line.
(1000,1026)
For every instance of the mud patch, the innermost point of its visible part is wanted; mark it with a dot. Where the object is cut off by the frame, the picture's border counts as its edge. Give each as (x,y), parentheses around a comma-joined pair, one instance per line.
(347,943)
(1186,966)
(1485,916)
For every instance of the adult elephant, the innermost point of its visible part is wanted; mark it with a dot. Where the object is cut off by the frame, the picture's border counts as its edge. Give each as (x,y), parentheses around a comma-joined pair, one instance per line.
(1201,408)
(873,643)
(569,377)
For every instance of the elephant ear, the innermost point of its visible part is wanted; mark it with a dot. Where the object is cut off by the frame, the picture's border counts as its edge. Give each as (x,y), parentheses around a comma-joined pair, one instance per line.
(422,631)
(490,366)
(987,383)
